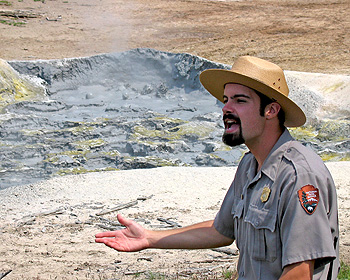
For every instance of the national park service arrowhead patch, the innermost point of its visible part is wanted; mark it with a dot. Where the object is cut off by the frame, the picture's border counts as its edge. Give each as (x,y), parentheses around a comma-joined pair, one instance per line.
(309,198)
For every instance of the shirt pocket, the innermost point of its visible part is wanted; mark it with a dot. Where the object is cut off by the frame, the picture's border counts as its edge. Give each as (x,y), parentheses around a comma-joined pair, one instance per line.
(261,228)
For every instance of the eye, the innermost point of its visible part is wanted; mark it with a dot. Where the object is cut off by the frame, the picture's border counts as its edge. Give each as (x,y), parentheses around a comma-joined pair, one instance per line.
(240,100)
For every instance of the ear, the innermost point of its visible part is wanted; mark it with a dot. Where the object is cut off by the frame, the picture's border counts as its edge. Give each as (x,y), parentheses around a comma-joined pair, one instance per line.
(271,110)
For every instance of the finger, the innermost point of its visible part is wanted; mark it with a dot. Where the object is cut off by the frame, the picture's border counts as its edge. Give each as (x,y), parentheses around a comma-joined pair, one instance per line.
(109,243)
(105,234)
(103,240)
(99,240)
(124,221)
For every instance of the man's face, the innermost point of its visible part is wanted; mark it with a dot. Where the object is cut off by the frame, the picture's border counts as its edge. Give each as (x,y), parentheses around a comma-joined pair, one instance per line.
(241,116)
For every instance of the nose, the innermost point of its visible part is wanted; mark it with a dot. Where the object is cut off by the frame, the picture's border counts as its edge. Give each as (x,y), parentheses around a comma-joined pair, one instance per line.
(227,109)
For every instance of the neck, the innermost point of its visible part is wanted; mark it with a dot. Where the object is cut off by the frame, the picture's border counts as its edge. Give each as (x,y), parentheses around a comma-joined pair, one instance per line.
(261,147)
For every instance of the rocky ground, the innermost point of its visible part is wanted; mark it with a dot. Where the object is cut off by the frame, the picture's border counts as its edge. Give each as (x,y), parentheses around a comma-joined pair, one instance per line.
(98,113)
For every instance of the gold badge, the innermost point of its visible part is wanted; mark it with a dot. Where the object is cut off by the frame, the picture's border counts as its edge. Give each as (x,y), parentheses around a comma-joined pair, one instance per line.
(265,194)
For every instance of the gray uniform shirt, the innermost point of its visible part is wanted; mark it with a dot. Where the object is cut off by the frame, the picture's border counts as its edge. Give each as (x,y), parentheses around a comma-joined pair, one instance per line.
(283,214)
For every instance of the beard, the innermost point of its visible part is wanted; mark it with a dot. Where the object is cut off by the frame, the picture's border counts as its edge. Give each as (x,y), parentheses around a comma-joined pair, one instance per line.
(233,139)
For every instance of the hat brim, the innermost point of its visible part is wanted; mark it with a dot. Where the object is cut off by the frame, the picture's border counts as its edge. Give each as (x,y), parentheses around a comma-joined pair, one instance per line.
(214,81)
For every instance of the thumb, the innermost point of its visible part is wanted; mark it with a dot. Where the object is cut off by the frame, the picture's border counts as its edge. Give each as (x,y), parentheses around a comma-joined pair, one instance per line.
(124,221)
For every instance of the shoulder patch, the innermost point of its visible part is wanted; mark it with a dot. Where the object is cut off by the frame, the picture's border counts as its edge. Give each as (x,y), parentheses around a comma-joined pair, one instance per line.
(309,198)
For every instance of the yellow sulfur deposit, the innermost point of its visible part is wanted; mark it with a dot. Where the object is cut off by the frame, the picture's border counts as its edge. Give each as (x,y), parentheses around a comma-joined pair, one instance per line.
(15,87)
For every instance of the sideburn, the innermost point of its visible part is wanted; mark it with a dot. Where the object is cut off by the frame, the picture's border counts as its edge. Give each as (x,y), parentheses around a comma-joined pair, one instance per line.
(264,101)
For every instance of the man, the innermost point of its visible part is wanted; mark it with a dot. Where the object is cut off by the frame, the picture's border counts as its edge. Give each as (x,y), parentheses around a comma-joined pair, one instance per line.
(281,208)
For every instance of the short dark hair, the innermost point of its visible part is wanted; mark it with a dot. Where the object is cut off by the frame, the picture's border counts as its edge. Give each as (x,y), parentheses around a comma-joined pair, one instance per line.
(264,101)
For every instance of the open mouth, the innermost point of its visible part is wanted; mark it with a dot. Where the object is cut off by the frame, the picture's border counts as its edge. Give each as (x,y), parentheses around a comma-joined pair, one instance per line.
(232,123)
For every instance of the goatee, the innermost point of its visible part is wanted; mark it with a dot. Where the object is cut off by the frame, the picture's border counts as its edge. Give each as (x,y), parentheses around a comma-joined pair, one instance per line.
(232,140)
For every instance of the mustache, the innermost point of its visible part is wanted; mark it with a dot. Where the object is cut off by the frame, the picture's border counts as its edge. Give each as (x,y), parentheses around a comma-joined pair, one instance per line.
(231,117)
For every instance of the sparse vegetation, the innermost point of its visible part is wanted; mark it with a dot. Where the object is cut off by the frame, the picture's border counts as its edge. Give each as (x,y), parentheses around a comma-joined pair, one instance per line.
(14,23)
(5,3)
(344,273)
(229,274)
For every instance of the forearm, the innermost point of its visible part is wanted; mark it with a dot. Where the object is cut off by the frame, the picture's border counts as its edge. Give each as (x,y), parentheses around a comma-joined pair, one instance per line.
(135,238)
(199,236)
(298,271)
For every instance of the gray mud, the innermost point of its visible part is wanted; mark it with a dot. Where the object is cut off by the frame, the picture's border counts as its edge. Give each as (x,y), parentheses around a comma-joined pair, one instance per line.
(137,109)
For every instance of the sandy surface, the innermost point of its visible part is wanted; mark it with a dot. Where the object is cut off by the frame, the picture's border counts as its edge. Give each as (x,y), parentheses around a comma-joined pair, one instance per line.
(298,35)
(62,245)
(47,229)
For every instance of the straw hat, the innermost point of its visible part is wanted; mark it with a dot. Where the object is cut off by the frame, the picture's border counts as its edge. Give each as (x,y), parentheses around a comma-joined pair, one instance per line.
(260,75)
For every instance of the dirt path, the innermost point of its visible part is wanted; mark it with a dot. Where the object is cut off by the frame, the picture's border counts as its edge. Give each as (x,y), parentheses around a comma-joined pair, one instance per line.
(299,35)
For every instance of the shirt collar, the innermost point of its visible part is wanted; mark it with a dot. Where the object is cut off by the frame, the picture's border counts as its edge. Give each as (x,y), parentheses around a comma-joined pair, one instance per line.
(271,163)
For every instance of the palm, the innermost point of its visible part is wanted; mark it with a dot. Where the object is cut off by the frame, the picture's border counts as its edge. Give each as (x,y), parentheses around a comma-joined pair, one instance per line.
(130,239)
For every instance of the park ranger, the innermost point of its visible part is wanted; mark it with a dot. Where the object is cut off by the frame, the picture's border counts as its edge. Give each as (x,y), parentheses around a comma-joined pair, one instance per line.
(281,208)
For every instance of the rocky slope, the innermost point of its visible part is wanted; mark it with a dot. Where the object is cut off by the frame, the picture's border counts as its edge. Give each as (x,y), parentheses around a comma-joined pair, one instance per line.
(141,109)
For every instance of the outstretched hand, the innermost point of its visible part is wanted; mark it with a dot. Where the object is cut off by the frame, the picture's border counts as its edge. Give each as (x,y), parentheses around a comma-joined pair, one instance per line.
(131,239)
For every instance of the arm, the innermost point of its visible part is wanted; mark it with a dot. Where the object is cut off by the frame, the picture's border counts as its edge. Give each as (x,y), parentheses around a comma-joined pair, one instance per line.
(135,238)
(298,271)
